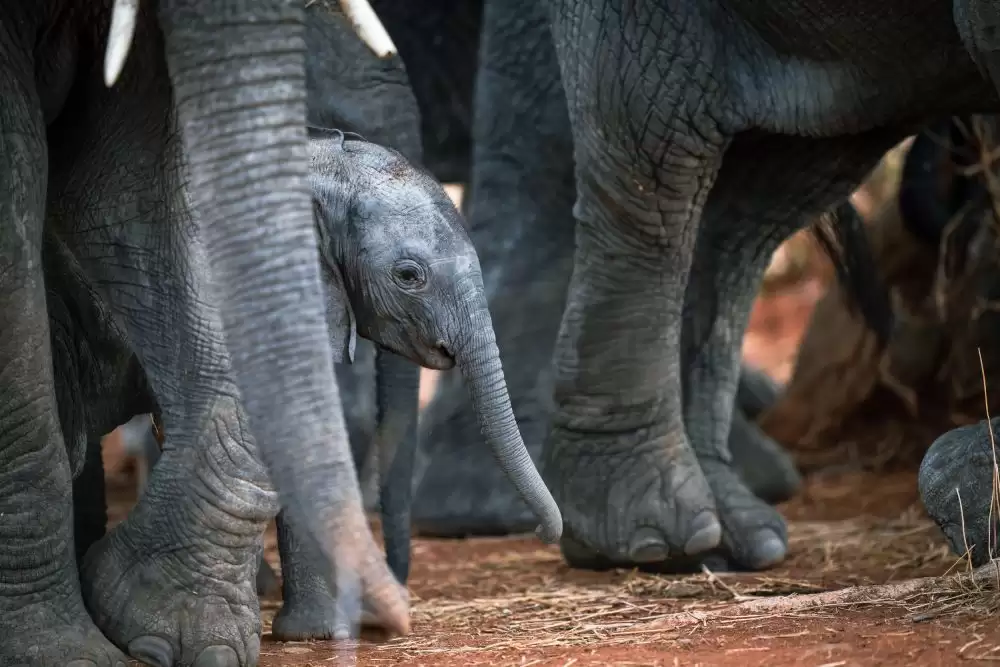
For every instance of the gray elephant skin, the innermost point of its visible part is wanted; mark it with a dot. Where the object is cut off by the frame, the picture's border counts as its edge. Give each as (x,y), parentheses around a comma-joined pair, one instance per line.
(737,124)
(519,206)
(743,122)
(108,180)
(400,269)
(522,229)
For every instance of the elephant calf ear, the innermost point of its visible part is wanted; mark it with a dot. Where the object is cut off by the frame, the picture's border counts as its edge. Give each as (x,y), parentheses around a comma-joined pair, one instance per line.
(340,318)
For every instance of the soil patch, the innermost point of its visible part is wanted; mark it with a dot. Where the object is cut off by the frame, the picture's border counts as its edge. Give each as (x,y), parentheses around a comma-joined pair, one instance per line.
(512,601)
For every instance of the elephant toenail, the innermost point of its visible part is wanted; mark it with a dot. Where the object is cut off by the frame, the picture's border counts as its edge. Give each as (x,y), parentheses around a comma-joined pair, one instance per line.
(768,549)
(648,546)
(154,651)
(706,532)
(80,663)
(217,656)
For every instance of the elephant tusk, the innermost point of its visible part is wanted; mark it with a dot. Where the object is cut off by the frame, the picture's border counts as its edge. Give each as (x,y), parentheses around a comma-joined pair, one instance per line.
(120,36)
(369,27)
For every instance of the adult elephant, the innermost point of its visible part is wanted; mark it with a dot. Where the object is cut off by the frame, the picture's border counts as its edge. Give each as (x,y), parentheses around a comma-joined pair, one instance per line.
(519,203)
(519,206)
(705,132)
(153,189)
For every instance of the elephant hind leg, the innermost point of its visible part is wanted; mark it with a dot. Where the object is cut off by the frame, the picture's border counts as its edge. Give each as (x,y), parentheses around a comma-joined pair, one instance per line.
(42,617)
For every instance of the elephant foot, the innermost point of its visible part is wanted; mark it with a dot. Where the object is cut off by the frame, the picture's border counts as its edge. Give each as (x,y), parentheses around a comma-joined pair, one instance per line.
(464,493)
(956,486)
(168,603)
(311,615)
(43,635)
(763,465)
(651,504)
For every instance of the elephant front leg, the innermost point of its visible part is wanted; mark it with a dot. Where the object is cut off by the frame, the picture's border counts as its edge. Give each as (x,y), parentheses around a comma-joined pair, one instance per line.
(618,458)
(42,618)
(196,528)
(650,126)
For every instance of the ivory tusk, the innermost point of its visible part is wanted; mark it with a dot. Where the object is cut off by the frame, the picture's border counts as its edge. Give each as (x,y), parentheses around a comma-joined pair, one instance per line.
(369,27)
(120,36)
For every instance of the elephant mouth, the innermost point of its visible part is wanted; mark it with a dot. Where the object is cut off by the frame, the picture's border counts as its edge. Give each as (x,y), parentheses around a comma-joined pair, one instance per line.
(437,358)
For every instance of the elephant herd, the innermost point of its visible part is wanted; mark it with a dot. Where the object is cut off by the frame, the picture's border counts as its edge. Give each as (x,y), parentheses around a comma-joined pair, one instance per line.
(209,207)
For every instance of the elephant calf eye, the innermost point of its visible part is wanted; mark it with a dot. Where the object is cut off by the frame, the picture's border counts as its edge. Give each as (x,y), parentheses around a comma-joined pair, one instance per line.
(409,274)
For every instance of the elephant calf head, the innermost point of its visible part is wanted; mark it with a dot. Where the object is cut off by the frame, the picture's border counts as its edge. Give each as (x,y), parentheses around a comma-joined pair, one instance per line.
(401,271)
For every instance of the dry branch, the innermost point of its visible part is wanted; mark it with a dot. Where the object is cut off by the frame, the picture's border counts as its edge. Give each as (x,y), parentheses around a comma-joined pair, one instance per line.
(983,579)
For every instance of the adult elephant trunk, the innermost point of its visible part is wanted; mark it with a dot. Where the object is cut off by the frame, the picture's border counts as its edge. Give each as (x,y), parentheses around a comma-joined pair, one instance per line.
(478,359)
(398,397)
(238,72)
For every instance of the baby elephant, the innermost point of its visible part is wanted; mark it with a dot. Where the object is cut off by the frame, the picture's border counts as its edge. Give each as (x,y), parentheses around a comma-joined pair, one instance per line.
(402,272)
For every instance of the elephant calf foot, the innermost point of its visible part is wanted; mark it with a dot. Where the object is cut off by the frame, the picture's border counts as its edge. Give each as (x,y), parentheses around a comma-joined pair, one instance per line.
(309,610)
(310,613)
(45,636)
(170,603)
(763,465)
(956,486)
(652,505)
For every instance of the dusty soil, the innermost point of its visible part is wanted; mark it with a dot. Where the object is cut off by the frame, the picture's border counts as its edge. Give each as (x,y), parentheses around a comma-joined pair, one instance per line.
(513,601)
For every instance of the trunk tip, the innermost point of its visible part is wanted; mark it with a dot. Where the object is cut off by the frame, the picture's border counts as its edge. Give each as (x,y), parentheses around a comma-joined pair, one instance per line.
(550,531)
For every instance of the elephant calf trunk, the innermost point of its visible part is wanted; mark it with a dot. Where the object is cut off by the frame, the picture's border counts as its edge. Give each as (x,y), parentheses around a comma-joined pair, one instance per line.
(479,362)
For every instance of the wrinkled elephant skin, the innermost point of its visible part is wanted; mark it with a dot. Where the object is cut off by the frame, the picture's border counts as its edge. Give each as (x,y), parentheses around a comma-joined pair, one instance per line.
(752,120)
(103,166)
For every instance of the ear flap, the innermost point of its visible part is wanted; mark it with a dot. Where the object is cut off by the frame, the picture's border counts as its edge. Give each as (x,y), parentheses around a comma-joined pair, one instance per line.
(340,318)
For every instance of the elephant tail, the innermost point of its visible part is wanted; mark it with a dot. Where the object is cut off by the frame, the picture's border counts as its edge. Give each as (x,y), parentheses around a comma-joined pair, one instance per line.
(842,235)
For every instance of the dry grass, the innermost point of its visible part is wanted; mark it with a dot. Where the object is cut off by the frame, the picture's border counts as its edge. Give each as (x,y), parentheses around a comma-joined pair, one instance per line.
(552,610)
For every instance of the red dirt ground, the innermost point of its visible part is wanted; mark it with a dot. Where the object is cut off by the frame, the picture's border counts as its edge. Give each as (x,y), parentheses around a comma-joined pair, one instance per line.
(514,602)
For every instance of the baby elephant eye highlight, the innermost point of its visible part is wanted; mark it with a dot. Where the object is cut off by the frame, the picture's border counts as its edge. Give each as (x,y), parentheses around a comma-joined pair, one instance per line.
(408,274)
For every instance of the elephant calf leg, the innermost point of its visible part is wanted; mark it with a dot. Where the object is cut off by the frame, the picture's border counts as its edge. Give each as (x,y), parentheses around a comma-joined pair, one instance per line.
(42,618)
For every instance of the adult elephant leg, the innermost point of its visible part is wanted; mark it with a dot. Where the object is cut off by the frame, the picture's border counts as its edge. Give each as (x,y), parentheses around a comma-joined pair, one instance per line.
(520,216)
(198,526)
(90,507)
(241,115)
(764,465)
(751,211)
(618,458)
(756,392)
(730,259)
(42,617)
